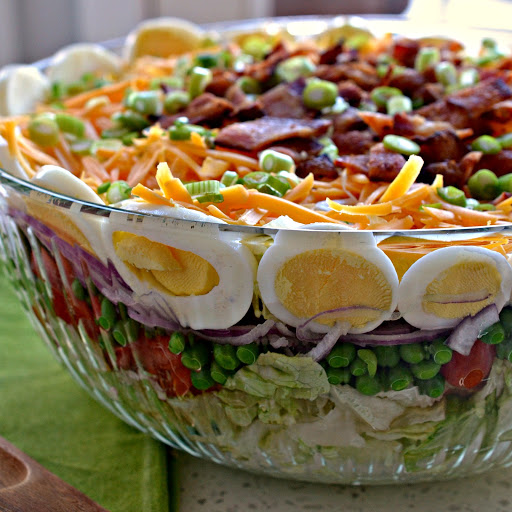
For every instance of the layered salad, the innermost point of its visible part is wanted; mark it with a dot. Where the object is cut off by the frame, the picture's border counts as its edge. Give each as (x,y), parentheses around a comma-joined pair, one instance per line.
(301,245)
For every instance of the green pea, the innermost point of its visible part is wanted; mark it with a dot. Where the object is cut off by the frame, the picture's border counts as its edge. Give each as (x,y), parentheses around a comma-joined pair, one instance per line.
(368,385)
(433,387)
(487,144)
(341,355)
(130,120)
(505,183)
(319,94)
(145,102)
(358,367)
(119,333)
(225,356)
(198,80)
(493,335)
(505,140)
(504,350)
(132,329)
(77,289)
(70,124)
(381,95)
(400,144)
(412,353)
(446,73)
(108,314)
(397,104)
(201,379)
(369,357)
(387,356)
(248,353)
(484,184)
(177,342)
(295,67)
(425,369)
(44,130)
(506,320)
(195,356)
(337,376)
(441,353)
(452,195)
(399,378)
(426,58)
(176,101)
(249,85)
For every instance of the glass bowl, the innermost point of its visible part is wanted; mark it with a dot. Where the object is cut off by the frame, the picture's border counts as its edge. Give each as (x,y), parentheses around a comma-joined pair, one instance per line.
(287,383)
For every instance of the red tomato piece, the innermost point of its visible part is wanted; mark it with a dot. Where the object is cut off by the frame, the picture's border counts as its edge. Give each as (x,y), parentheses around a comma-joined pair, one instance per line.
(469,371)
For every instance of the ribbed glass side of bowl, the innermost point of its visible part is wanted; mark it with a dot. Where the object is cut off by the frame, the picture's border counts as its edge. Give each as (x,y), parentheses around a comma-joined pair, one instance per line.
(42,266)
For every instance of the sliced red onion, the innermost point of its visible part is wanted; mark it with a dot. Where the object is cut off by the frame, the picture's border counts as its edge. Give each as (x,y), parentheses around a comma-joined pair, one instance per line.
(254,334)
(396,327)
(328,341)
(278,341)
(149,317)
(283,329)
(395,339)
(465,334)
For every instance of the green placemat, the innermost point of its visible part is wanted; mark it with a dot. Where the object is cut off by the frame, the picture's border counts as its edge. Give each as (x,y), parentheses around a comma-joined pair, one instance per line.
(47,415)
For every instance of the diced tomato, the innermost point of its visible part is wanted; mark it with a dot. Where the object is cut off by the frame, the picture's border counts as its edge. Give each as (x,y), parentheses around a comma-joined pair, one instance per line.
(469,371)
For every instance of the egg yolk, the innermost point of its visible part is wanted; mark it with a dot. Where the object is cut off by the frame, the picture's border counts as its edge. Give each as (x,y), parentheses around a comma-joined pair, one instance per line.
(321,280)
(463,289)
(174,270)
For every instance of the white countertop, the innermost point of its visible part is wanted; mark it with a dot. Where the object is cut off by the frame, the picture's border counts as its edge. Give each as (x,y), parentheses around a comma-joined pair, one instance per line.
(208,487)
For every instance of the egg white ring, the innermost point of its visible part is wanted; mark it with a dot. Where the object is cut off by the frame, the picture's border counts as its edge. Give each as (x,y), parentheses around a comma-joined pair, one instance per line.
(289,244)
(422,272)
(9,163)
(220,308)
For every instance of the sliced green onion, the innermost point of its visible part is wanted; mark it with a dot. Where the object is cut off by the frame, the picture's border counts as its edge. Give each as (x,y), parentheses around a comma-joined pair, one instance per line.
(329,148)
(446,73)
(203,187)
(494,334)
(177,342)
(433,387)
(249,85)
(81,147)
(119,333)
(199,79)
(370,359)
(111,144)
(358,367)
(337,376)
(319,94)
(218,374)
(255,179)
(452,195)
(145,102)
(397,104)
(468,77)
(341,355)
(176,101)
(256,46)
(194,357)
(108,314)
(248,353)
(103,187)
(484,207)
(441,353)
(130,120)
(229,178)
(381,95)
(201,379)
(400,144)
(114,133)
(118,191)
(70,124)
(292,179)
(174,82)
(206,60)
(44,130)
(295,67)
(210,198)
(280,185)
(487,144)
(505,140)
(484,184)
(426,58)
(273,161)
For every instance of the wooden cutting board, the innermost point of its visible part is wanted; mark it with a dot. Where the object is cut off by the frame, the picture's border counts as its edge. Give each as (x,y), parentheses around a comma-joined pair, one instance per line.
(26,486)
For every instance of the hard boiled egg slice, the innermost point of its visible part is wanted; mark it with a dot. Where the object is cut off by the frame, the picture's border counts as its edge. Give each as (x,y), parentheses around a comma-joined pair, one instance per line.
(22,87)
(72,62)
(71,224)
(9,163)
(194,273)
(321,278)
(443,287)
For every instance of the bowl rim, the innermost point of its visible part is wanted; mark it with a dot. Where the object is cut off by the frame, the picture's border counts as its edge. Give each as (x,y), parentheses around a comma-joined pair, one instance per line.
(366,22)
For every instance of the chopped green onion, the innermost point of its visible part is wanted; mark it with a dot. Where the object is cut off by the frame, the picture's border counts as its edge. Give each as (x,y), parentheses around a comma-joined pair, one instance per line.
(273,161)
(370,359)
(319,94)
(487,144)
(484,184)
(381,95)
(44,130)
(203,187)
(430,205)
(249,85)
(145,102)
(248,353)
(70,124)
(218,374)
(397,104)
(256,46)
(494,334)
(341,355)
(118,191)
(108,314)
(175,82)
(295,67)
(198,80)
(426,58)
(441,353)
(446,73)
(206,60)
(400,144)
(112,144)
(114,133)
(255,179)
(201,379)
(194,357)
(358,367)
(176,101)
(452,195)
(229,178)
(103,187)
(280,185)
(130,120)
(484,207)
(292,179)
(468,77)
(81,147)
(177,342)
(337,376)
(329,148)
(119,333)
(210,198)
(433,387)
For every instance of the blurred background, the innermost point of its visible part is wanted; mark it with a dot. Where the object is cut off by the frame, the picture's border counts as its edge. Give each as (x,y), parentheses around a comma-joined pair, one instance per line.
(32,29)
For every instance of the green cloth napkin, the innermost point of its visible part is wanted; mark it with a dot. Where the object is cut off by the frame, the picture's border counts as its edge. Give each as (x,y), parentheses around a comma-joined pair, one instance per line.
(48,416)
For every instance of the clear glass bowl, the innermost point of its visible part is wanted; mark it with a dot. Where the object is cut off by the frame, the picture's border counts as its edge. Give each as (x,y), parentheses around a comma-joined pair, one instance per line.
(282,418)
(110,324)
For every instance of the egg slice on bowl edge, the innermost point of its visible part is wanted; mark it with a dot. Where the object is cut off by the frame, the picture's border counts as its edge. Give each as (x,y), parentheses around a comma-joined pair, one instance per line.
(201,277)
(319,279)
(451,283)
